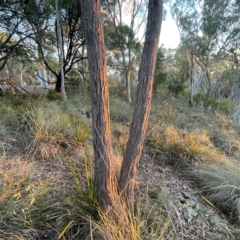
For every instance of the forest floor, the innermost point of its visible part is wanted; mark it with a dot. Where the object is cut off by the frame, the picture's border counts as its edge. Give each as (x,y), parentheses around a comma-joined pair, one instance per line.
(46,171)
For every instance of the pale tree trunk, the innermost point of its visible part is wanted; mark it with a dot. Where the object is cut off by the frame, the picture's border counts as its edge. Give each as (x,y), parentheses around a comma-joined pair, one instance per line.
(128,86)
(236,115)
(127,76)
(196,80)
(60,51)
(42,75)
(103,155)
(20,75)
(234,94)
(97,64)
(143,102)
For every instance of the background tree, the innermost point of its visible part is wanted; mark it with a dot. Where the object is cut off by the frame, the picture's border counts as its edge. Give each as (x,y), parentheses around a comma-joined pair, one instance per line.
(60,49)
(160,76)
(16,29)
(125,32)
(208,28)
(72,40)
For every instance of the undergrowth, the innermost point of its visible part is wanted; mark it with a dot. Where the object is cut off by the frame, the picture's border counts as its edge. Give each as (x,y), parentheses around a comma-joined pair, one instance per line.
(48,191)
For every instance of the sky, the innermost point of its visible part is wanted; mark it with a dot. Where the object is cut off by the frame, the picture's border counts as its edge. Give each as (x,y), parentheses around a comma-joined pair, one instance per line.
(169,33)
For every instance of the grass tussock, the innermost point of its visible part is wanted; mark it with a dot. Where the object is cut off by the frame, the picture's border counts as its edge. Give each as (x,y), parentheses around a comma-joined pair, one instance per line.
(54,131)
(221,186)
(183,148)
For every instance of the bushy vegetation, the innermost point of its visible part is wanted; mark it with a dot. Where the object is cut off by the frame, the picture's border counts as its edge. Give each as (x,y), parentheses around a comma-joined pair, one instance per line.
(215,104)
(176,88)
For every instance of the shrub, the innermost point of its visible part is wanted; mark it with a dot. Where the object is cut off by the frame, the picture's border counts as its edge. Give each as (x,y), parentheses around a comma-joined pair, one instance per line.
(220,105)
(198,98)
(176,88)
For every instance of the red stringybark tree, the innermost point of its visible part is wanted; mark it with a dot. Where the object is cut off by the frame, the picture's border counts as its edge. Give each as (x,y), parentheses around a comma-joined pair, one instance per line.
(103,153)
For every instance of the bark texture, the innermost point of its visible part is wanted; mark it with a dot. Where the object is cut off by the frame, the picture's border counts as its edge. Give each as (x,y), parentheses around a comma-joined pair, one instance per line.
(143,103)
(103,155)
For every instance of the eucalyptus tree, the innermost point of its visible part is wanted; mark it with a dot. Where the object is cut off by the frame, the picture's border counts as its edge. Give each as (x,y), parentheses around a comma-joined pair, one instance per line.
(103,153)
(38,15)
(60,49)
(208,28)
(127,22)
(72,40)
(15,30)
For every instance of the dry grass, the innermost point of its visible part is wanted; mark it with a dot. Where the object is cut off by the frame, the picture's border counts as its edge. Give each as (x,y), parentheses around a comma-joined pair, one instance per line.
(53,130)
(56,198)
(182,148)
(26,209)
(220,184)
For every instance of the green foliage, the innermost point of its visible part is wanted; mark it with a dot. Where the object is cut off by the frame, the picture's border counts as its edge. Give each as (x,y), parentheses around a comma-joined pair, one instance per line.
(198,98)
(220,105)
(176,88)
(116,36)
(160,76)
(120,111)
(215,104)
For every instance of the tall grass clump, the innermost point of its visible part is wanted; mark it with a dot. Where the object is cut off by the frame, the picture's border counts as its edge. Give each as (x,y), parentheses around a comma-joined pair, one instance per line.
(54,129)
(83,207)
(183,148)
(221,186)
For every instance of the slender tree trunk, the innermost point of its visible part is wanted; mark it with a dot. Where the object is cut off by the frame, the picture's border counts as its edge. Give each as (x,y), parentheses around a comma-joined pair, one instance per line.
(60,51)
(128,86)
(234,92)
(58,83)
(143,102)
(127,76)
(103,154)
(42,74)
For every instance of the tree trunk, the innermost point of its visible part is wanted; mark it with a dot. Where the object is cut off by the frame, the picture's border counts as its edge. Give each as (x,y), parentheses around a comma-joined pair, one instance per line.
(127,76)
(103,155)
(58,83)
(128,86)
(60,52)
(143,102)
(42,74)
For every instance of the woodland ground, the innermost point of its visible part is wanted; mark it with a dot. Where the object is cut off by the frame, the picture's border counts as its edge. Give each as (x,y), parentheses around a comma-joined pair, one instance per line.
(188,182)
